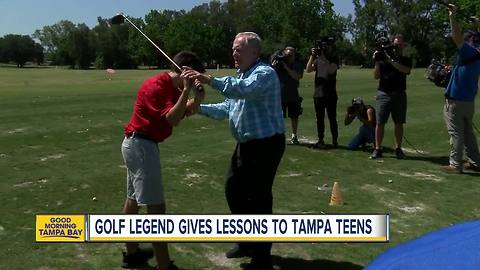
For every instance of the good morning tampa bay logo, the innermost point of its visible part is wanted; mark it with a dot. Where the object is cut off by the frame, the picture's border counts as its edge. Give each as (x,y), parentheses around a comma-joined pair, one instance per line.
(60,228)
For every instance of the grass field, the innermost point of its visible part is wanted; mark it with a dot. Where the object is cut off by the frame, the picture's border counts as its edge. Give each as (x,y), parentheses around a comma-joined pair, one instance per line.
(60,146)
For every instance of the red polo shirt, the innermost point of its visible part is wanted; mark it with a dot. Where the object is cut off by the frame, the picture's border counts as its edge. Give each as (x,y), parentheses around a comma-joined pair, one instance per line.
(155,99)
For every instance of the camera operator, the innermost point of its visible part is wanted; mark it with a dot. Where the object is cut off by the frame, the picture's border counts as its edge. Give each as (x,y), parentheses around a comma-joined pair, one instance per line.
(289,71)
(324,61)
(391,68)
(460,95)
(366,115)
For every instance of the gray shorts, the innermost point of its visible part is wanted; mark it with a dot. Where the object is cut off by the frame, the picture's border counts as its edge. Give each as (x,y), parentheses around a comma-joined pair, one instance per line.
(394,103)
(144,176)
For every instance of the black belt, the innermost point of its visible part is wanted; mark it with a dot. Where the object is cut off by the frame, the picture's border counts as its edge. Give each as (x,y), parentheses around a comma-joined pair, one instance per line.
(139,135)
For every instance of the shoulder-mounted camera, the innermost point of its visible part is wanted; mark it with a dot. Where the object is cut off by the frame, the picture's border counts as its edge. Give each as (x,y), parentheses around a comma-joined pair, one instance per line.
(384,46)
(322,44)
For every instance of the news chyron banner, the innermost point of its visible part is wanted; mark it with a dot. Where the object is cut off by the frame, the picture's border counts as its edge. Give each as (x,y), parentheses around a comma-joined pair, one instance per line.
(235,228)
(213,228)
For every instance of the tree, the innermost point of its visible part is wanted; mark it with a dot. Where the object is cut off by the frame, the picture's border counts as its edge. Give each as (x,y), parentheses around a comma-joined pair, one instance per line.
(423,23)
(111,43)
(55,39)
(80,47)
(18,49)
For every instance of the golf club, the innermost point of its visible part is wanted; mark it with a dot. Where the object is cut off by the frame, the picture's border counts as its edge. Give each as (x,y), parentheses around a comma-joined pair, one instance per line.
(121,18)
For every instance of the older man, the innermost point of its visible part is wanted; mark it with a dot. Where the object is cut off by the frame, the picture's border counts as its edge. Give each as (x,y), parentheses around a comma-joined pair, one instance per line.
(253,107)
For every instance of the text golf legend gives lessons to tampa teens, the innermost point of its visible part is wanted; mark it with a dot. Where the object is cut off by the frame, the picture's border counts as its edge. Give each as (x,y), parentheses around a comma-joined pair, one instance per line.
(212,228)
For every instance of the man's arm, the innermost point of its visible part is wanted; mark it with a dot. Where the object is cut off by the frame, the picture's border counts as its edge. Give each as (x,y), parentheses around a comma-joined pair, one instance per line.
(216,111)
(256,85)
(292,72)
(400,67)
(311,63)
(456,31)
(371,117)
(177,112)
(193,105)
(376,71)
(349,116)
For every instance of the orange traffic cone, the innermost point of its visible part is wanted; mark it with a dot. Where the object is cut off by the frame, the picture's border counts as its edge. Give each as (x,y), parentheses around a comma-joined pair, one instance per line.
(337,198)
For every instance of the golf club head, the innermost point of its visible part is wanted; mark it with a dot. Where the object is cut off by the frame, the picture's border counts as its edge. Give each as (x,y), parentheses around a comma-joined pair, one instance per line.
(117,19)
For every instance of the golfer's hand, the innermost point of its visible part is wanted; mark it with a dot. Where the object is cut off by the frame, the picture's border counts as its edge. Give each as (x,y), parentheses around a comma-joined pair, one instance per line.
(195,75)
(187,83)
(452,10)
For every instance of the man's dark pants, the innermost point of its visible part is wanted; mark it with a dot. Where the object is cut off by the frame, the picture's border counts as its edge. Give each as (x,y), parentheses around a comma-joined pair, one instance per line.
(250,180)
(330,104)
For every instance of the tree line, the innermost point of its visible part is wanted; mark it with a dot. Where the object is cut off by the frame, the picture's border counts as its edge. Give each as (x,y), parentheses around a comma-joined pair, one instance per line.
(209,29)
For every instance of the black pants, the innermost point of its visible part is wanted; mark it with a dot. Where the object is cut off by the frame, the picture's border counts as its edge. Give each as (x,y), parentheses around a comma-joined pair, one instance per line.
(329,104)
(250,180)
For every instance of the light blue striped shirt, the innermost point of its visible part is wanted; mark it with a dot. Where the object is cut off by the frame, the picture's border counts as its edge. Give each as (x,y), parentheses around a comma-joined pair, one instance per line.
(252,104)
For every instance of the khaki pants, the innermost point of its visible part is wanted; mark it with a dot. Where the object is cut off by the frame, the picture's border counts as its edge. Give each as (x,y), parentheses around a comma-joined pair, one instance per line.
(458,117)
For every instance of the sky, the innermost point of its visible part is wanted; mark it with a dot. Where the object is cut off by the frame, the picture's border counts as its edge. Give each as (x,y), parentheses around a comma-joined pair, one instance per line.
(23,17)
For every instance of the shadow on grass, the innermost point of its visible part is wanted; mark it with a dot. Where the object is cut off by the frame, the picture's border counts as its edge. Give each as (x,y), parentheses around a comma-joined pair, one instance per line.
(439,160)
(297,264)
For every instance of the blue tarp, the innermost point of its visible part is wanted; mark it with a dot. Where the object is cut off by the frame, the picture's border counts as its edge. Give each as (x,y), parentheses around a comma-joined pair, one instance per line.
(453,248)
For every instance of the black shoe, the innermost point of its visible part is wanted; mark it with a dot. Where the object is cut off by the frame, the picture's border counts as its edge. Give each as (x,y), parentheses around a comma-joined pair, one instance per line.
(319,145)
(377,153)
(335,145)
(399,153)
(136,259)
(471,167)
(237,252)
(171,266)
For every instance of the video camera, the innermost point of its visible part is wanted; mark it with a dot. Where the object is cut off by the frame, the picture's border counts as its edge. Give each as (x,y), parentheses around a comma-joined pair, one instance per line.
(321,45)
(279,56)
(439,73)
(384,46)
(357,103)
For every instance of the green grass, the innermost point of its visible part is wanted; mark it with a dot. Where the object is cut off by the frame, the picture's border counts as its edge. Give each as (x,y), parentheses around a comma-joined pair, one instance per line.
(60,146)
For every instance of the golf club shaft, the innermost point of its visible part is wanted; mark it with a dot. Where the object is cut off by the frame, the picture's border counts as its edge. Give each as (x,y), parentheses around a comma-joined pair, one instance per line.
(153,43)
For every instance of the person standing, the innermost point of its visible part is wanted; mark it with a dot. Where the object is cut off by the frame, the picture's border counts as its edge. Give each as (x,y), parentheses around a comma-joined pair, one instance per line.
(391,70)
(460,95)
(160,105)
(324,61)
(290,71)
(253,107)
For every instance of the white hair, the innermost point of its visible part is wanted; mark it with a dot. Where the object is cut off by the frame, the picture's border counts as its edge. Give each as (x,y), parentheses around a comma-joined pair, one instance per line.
(252,39)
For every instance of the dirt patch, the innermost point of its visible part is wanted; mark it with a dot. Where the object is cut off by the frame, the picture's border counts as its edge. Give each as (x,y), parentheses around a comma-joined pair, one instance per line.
(290,175)
(414,151)
(56,156)
(219,259)
(411,209)
(24,184)
(15,131)
(423,176)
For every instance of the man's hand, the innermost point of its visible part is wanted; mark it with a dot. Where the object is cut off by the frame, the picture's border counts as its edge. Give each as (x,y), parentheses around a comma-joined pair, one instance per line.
(452,10)
(195,75)
(187,84)
(476,23)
